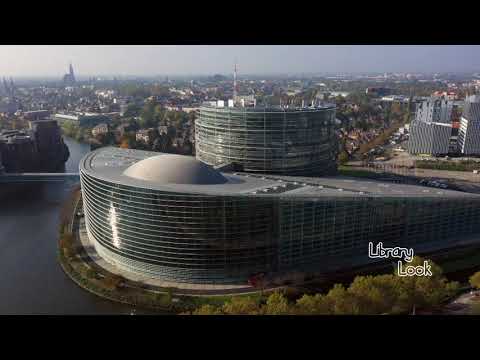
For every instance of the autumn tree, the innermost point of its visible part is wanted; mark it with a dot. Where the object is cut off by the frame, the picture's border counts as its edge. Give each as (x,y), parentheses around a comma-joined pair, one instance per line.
(113,281)
(125,143)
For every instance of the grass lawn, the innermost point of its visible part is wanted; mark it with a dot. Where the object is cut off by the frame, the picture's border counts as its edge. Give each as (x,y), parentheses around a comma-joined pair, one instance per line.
(349,171)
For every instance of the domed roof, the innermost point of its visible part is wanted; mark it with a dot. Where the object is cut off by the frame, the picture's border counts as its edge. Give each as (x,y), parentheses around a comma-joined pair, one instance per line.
(174,169)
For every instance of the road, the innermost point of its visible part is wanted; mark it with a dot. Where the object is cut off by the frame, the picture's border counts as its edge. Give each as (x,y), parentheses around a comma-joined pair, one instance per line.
(463,304)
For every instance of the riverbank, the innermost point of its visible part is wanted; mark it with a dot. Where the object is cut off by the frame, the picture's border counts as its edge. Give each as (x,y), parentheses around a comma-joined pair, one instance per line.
(88,284)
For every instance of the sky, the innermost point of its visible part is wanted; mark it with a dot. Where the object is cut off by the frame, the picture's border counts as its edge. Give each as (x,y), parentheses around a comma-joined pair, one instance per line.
(35,60)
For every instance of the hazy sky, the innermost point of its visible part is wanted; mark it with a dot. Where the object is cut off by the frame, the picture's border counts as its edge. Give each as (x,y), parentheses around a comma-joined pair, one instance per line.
(258,59)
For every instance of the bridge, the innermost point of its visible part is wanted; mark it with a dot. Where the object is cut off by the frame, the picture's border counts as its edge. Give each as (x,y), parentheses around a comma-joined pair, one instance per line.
(38,177)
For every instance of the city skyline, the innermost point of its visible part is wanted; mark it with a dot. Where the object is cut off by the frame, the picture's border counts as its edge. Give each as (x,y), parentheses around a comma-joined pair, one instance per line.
(53,61)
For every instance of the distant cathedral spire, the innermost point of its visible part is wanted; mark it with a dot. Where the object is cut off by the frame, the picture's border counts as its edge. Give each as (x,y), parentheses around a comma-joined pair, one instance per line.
(9,87)
(5,85)
(69,79)
(12,88)
(72,76)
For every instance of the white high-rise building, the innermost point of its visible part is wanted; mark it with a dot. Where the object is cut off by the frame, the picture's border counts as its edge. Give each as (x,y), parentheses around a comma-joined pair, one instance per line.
(469,132)
(431,130)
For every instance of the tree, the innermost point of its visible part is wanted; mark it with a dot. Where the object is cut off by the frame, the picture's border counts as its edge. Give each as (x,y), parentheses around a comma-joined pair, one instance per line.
(343,302)
(340,100)
(68,253)
(207,310)
(147,115)
(163,143)
(132,110)
(475,280)
(317,304)
(66,240)
(169,296)
(241,306)
(125,144)
(374,294)
(343,157)
(424,291)
(113,281)
(276,304)
(90,273)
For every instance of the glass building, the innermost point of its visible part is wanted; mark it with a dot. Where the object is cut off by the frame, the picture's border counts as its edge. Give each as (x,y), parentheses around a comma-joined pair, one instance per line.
(274,140)
(175,218)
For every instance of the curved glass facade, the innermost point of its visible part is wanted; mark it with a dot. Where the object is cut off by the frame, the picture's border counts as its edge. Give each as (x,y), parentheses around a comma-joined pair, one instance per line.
(222,233)
(179,237)
(333,233)
(268,140)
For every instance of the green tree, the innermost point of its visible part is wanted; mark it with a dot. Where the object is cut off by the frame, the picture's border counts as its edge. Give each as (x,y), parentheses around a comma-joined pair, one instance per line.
(207,310)
(424,291)
(241,306)
(374,294)
(276,304)
(133,110)
(475,280)
(343,302)
(317,304)
(343,157)
(90,273)
(168,296)
(68,253)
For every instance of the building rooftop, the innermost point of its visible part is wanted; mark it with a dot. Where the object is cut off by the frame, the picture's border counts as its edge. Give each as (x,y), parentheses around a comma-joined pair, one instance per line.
(185,174)
(270,108)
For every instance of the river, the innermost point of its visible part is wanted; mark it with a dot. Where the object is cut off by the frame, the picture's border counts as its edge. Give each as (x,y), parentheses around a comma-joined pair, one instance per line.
(32,281)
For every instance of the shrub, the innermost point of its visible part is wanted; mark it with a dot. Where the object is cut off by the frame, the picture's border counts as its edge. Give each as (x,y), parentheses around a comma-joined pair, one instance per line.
(90,273)
(113,281)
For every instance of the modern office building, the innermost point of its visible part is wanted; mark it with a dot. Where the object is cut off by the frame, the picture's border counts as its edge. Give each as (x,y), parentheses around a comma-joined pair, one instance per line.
(434,110)
(38,149)
(469,132)
(82,119)
(275,140)
(431,130)
(36,115)
(176,218)
(429,138)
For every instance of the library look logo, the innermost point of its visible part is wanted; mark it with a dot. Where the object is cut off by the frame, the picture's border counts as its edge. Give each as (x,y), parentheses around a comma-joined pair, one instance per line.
(405,254)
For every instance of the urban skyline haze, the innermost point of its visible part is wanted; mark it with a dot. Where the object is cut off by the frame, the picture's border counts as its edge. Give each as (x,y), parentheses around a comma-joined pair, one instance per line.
(92,60)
